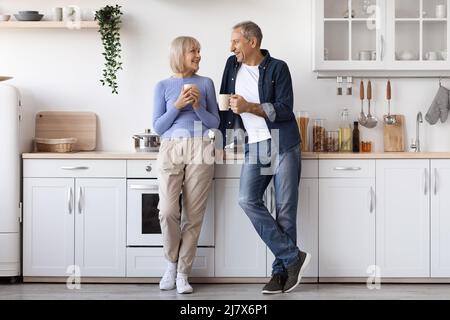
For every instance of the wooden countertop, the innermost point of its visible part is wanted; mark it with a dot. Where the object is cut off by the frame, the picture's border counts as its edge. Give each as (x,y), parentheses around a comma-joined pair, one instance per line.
(305,155)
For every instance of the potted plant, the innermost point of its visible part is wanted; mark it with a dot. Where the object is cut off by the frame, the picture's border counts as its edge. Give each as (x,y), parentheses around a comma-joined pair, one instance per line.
(109,20)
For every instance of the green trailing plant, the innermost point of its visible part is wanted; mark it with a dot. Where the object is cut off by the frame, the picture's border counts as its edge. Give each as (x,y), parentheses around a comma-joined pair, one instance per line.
(109,20)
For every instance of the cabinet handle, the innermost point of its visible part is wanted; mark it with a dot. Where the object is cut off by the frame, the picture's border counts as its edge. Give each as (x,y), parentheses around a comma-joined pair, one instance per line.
(144,187)
(382,48)
(74,168)
(425,189)
(80,195)
(371,197)
(435,180)
(347,168)
(69,200)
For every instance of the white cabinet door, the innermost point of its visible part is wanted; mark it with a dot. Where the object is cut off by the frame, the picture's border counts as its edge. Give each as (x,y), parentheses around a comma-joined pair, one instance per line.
(417,41)
(403,218)
(349,42)
(239,250)
(100,225)
(48,226)
(440,218)
(346,227)
(307,226)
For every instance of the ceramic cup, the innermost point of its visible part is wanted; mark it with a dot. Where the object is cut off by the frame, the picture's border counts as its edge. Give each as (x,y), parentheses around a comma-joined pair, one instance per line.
(441,11)
(374,55)
(443,54)
(365,55)
(224,102)
(432,55)
(57,14)
(188,86)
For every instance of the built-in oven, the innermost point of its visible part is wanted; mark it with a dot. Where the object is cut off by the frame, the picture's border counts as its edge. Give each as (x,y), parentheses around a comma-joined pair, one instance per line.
(143,226)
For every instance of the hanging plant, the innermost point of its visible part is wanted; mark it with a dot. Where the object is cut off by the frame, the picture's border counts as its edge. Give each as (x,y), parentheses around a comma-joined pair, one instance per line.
(109,20)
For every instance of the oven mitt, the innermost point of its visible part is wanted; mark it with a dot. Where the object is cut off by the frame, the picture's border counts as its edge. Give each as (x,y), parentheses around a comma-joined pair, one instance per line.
(439,107)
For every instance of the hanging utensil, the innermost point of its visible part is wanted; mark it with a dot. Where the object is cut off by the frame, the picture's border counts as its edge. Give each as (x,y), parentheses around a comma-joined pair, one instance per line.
(371,120)
(389,119)
(362,116)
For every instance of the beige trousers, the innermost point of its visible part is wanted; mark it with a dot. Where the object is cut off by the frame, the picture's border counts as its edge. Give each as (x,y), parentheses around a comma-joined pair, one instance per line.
(185,166)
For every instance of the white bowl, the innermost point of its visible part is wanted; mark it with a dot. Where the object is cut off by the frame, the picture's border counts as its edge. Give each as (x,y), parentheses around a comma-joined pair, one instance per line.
(5,17)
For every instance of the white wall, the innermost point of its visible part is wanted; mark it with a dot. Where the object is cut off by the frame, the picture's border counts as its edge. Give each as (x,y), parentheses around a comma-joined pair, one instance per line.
(60,69)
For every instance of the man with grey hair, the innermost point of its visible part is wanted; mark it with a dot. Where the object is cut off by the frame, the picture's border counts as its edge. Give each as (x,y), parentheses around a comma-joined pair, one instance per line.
(262,100)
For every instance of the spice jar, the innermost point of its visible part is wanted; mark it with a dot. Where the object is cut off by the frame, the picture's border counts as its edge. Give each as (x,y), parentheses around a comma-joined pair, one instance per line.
(332,141)
(366,146)
(319,135)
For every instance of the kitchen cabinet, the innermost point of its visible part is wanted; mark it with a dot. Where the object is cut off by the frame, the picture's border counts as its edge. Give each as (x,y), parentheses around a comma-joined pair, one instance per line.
(74,221)
(307,218)
(239,250)
(380,35)
(48,226)
(403,218)
(346,218)
(440,218)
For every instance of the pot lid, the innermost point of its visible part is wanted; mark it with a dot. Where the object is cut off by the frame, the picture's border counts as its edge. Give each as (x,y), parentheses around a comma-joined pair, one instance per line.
(147,133)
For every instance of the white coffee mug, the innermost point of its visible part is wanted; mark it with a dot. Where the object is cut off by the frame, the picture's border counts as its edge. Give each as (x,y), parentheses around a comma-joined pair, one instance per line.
(441,11)
(365,55)
(57,14)
(432,55)
(374,55)
(224,102)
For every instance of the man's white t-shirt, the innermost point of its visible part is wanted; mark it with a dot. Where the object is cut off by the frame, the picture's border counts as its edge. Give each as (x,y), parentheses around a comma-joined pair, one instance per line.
(247,87)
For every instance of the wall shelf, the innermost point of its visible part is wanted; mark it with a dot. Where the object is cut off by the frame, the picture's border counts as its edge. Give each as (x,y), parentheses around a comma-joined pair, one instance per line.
(46,25)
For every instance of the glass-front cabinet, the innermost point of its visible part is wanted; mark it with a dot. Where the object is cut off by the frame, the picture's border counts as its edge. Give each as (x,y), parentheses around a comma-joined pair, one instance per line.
(380,35)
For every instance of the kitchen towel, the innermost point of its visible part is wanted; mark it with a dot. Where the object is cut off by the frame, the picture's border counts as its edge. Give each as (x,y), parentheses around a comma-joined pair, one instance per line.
(439,107)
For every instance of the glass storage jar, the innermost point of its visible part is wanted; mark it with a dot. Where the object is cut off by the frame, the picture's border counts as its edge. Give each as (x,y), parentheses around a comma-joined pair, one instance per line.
(332,141)
(319,135)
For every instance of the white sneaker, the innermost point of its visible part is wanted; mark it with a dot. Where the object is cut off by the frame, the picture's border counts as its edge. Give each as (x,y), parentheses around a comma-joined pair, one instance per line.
(168,280)
(183,286)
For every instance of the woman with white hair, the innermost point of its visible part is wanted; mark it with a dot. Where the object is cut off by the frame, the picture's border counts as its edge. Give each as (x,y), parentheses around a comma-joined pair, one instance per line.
(185,108)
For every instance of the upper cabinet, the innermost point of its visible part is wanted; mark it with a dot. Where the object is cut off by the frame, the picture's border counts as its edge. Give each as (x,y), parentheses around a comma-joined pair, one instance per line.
(380,35)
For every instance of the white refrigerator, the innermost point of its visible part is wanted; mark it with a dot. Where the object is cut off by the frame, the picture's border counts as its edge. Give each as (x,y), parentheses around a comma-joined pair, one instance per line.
(10,206)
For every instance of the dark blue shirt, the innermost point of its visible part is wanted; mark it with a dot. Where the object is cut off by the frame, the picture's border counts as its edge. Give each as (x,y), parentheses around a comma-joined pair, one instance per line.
(276,97)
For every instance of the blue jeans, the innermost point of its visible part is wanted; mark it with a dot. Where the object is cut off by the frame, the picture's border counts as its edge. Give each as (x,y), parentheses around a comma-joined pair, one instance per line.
(279,233)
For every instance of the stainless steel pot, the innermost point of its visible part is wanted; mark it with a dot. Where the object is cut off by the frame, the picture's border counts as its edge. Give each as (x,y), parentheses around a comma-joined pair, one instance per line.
(147,142)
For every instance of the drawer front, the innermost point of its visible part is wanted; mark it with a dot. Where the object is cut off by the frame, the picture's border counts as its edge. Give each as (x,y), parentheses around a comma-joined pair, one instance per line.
(347,168)
(44,168)
(310,168)
(230,171)
(150,262)
(142,169)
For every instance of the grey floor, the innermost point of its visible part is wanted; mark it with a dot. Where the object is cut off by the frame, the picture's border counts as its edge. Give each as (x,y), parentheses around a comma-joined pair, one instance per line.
(223,292)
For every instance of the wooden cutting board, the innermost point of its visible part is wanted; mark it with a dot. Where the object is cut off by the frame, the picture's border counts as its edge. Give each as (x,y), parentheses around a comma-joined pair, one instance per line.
(80,125)
(394,135)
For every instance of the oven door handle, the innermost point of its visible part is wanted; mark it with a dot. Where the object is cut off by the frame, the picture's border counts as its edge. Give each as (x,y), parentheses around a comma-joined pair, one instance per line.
(144,187)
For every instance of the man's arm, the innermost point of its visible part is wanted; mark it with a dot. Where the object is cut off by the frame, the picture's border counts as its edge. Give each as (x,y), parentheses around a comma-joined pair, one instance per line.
(240,105)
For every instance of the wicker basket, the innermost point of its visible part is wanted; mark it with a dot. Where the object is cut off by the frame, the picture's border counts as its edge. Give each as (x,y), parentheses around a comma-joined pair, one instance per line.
(55,145)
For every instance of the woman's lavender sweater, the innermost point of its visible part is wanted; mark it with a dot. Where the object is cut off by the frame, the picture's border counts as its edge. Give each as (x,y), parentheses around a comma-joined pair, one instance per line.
(169,122)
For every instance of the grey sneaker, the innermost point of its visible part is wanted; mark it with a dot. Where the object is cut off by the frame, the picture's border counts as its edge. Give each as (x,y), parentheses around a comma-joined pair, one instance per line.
(275,285)
(295,271)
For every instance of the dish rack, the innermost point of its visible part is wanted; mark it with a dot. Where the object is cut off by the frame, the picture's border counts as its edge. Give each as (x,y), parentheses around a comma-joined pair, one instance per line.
(55,145)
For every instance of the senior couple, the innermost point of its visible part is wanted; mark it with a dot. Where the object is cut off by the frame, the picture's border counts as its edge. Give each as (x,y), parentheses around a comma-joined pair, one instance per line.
(262,100)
